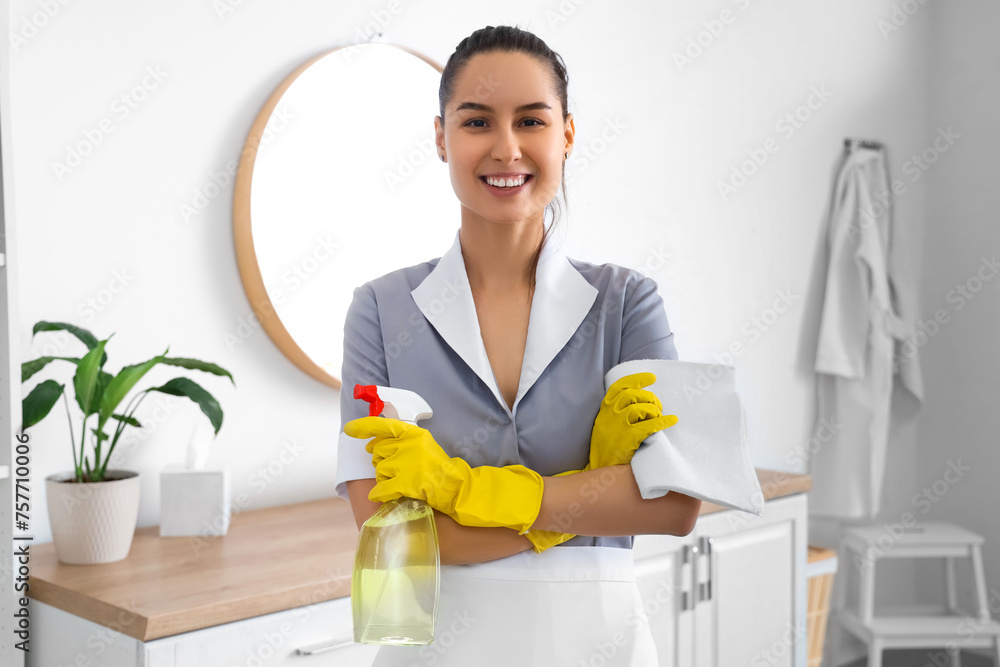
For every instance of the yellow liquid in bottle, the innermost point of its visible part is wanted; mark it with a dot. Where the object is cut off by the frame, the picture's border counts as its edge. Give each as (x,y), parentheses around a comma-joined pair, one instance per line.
(394,588)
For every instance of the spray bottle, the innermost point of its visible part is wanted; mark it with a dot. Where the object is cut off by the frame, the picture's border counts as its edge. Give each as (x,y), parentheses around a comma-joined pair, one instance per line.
(397,564)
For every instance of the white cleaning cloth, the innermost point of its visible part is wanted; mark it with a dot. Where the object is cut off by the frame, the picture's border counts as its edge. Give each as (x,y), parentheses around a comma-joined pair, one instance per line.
(703,455)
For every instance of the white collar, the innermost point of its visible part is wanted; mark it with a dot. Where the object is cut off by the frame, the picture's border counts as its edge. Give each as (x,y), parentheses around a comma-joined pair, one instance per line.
(561,301)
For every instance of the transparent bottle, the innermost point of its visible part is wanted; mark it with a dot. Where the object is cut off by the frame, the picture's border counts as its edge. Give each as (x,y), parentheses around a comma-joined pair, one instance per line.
(395,585)
(397,563)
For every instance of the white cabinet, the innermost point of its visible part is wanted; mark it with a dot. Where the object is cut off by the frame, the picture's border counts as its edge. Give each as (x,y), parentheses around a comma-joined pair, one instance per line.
(271,640)
(732,592)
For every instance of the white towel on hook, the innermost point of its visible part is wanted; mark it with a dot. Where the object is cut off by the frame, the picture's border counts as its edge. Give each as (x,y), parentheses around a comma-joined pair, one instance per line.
(703,455)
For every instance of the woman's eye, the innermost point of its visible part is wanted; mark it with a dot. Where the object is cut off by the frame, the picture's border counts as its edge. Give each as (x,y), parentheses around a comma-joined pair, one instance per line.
(535,122)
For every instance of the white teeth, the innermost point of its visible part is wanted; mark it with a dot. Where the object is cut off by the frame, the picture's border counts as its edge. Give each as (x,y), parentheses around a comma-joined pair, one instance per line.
(508,183)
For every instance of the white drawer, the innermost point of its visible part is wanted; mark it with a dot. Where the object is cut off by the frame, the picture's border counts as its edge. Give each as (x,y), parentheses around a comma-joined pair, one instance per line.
(271,640)
(60,638)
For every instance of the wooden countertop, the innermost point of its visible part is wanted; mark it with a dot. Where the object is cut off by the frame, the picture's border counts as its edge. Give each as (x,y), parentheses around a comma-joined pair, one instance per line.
(270,560)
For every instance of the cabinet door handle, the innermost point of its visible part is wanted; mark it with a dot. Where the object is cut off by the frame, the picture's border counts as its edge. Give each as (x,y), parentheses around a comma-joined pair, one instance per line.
(705,588)
(323,647)
(687,557)
(694,576)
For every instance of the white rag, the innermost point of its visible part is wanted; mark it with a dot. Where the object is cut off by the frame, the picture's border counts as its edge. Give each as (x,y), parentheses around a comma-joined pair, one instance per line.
(703,455)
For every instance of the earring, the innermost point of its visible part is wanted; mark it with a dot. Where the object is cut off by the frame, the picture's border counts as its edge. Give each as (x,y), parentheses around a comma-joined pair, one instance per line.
(565,156)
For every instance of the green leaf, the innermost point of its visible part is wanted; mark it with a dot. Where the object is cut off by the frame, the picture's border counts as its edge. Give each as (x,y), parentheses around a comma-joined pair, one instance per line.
(131,421)
(185,387)
(198,365)
(89,388)
(29,368)
(88,338)
(101,435)
(85,336)
(37,404)
(122,384)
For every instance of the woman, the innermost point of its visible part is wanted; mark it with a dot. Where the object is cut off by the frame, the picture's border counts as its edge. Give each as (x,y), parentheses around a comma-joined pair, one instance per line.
(525,459)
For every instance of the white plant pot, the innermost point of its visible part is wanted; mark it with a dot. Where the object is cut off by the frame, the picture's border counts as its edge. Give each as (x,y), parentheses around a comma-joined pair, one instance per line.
(93,522)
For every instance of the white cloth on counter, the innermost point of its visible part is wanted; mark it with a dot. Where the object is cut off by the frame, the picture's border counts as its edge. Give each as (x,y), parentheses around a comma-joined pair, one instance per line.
(703,455)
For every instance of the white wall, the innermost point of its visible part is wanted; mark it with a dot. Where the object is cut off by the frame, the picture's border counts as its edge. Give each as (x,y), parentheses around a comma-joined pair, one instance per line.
(650,193)
(961,423)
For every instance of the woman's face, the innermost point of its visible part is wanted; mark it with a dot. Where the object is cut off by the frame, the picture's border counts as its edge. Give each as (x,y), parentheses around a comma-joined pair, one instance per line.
(504,121)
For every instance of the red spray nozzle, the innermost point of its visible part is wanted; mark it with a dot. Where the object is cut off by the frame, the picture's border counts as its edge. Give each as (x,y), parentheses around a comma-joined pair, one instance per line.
(369,393)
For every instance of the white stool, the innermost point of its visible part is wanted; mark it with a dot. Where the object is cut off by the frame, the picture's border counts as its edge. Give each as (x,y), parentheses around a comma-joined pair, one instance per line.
(862,547)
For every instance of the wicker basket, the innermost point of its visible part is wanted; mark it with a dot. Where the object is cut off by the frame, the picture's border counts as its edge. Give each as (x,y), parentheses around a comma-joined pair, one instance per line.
(820,570)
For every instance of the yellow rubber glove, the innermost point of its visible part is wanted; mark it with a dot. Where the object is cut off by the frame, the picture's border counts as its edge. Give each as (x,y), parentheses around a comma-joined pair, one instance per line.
(410,463)
(628,415)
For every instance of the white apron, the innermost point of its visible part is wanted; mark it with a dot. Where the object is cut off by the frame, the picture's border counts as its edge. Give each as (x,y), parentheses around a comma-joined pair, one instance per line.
(572,606)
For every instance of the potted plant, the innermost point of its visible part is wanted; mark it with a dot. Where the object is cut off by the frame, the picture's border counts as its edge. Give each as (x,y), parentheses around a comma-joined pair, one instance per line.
(93,509)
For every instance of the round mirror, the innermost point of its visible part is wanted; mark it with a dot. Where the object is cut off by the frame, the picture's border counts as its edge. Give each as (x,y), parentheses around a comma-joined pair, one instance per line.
(339,182)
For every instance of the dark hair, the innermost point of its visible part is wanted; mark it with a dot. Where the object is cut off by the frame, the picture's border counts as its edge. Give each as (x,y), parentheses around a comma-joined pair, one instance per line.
(510,39)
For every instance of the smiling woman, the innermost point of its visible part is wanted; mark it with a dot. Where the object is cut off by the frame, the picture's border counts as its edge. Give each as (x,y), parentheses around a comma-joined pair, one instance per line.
(508,340)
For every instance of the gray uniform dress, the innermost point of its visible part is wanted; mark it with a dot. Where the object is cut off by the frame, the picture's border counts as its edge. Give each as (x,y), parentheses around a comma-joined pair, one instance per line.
(416,328)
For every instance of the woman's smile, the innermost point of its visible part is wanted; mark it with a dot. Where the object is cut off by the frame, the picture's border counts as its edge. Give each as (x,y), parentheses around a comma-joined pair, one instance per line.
(505,185)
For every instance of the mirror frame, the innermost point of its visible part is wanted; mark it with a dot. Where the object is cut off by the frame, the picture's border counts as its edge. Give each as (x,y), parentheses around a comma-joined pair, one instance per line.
(246,253)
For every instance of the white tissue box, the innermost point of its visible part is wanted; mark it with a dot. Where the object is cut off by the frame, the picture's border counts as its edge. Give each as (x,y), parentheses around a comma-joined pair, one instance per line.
(193,502)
